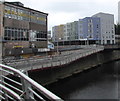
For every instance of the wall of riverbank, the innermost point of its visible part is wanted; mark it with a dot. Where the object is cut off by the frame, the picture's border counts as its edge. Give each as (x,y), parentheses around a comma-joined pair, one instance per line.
(51,75)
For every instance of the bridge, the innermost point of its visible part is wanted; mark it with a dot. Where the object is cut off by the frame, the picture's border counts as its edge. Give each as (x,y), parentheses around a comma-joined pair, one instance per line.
(112,47)
(16,86)
(64,57)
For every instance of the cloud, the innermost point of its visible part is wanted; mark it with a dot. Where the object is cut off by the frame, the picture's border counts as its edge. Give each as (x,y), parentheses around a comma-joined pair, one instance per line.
(63,7)
(62,18)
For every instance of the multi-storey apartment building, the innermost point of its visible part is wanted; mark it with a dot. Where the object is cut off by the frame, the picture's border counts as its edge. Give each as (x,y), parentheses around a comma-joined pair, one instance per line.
(74,35)
(22,30)
(58,32)
(89,29)
(107,28)
(68,33)
(99,28)
(65,32)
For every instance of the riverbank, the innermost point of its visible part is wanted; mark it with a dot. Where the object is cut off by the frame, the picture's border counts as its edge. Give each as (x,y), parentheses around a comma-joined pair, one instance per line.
(51,75)
(97,84)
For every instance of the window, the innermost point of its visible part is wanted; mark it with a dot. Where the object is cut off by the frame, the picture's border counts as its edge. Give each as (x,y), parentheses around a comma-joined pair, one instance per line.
(112,36)
(16,34)
(112,31)
(108,41)
(113,42)
(97,26)
(90,20)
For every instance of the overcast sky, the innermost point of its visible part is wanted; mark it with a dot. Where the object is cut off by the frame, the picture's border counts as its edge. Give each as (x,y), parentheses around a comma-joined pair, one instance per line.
(63,11)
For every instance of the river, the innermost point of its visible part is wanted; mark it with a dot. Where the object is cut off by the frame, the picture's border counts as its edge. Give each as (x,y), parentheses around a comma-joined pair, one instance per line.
(99,84)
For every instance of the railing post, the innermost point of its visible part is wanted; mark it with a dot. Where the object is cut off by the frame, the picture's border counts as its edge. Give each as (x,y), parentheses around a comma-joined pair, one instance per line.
(0,67)
(0,82)
(25,86)
(0,56)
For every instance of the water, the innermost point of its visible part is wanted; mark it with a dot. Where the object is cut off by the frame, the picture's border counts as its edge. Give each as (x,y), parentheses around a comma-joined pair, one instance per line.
(99,83)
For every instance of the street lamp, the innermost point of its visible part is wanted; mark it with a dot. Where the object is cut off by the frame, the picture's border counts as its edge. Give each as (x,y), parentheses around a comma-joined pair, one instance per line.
(87,40)
(58,44)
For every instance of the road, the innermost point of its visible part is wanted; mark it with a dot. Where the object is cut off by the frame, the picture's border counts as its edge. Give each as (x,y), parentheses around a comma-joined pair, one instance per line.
(61,58)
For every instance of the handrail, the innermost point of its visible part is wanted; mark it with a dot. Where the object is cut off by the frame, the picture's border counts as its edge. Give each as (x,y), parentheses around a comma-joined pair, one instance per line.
(34,84)
(11,92)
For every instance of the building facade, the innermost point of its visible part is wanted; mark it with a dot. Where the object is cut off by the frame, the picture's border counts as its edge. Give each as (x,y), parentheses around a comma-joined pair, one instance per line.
(74,31)
(22,30)
(66,32)
(89,29)
(99,28)
(49,36)
(107,28)
(58,32)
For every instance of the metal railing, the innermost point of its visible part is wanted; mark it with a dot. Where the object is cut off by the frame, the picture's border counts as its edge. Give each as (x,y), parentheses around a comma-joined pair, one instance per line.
(16,86)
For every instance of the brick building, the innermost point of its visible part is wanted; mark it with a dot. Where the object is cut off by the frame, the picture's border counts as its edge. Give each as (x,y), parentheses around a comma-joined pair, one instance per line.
(22,30)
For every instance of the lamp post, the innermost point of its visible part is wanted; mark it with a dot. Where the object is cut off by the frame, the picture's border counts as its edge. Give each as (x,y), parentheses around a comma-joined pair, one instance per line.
(87,40)
(58,45)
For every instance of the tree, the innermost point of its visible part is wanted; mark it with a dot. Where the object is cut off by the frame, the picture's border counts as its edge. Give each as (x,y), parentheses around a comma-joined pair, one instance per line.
(117,29)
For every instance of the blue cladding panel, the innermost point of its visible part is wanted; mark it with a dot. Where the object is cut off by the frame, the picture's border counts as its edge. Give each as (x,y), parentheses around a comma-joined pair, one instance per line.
(89,27)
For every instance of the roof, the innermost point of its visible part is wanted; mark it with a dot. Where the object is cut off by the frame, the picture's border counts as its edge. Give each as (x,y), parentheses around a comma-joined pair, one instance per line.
(101,13)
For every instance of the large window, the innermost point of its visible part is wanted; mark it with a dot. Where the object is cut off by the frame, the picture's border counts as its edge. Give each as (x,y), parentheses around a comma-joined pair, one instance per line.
(16,34)
(38,35)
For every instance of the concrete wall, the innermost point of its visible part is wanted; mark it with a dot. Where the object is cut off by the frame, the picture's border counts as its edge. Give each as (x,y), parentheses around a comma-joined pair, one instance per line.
(53,74)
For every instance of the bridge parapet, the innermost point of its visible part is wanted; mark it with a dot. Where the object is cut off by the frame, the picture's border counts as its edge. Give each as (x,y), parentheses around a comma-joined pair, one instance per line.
(16,86)
(57,60)
(112,47)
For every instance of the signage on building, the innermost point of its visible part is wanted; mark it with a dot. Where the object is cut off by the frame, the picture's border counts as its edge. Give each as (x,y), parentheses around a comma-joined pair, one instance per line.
(43,50)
